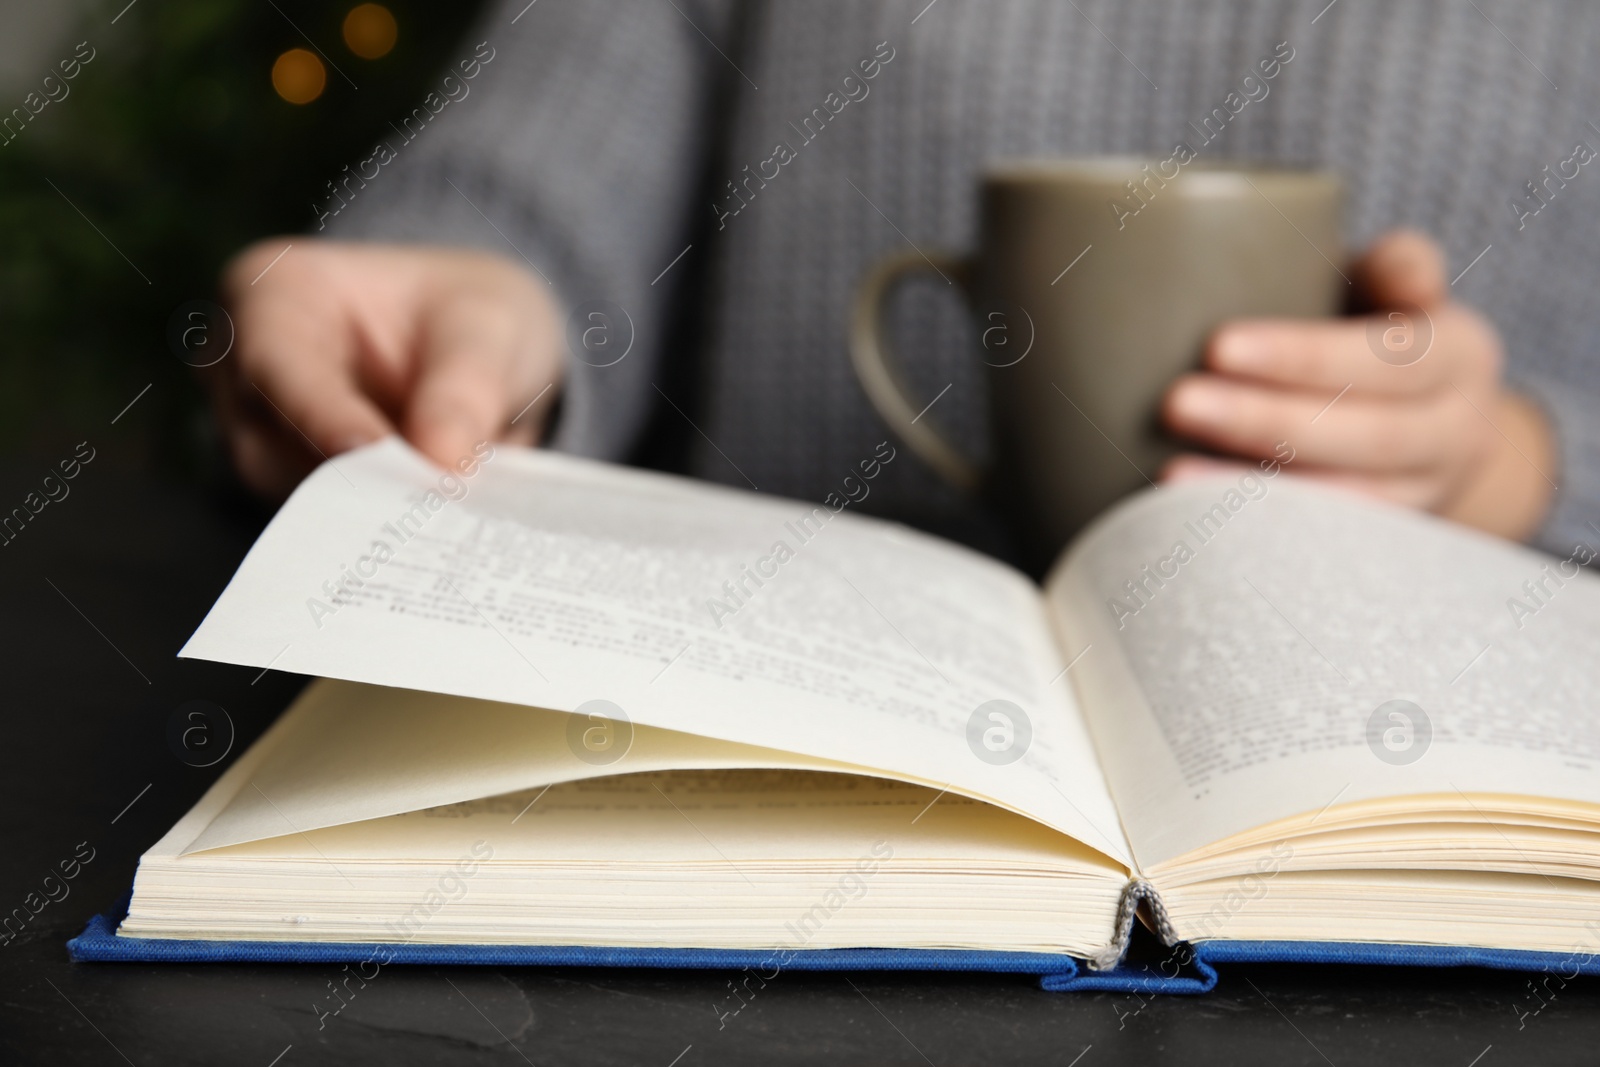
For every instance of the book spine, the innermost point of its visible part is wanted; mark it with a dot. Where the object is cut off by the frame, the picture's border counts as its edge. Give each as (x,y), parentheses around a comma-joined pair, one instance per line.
(1137,894)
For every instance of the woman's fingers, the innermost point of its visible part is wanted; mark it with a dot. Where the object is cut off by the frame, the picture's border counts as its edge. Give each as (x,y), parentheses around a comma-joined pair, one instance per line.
(1360,432)
(1407,490)
(1401,352)
(1403,268)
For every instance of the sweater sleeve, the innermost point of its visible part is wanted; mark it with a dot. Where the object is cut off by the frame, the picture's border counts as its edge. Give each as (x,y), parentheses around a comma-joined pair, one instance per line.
(1574,516)
(574,146)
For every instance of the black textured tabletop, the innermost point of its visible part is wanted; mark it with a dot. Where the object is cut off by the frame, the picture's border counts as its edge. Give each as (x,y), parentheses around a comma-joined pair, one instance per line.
(101,589)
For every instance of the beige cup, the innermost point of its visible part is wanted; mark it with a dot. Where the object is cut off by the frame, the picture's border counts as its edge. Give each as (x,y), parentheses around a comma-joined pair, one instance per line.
(1096,283)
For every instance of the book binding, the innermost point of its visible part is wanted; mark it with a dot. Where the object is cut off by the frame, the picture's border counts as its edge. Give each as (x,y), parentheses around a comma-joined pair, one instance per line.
(1187,969)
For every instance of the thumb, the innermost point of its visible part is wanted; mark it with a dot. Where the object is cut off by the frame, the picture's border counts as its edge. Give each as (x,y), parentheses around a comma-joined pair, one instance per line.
(462,388)
(1403,268)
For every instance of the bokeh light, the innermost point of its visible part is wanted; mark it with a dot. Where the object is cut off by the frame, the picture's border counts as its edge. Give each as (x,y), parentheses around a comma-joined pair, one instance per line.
(370,31)
(298,76)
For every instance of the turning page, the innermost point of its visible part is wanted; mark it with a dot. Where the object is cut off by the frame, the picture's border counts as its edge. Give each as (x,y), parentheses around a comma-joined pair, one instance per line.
(1264,648)
(532,578)
(345,753)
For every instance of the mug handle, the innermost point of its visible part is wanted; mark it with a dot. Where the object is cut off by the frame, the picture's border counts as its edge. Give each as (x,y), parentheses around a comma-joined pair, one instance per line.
(879,369)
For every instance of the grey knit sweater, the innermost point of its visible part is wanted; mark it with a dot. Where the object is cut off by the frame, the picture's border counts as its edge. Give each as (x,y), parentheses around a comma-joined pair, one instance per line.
(600,140)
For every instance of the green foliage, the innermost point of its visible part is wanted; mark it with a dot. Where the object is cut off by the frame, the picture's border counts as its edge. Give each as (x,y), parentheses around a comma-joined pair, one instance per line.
(174,145)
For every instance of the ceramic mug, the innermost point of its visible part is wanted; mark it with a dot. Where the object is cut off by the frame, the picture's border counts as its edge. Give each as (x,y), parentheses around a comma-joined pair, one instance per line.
(1096,283)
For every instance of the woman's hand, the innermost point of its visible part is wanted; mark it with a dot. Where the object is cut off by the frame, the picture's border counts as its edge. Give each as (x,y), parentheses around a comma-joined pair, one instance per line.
(338,344)
(1405,404)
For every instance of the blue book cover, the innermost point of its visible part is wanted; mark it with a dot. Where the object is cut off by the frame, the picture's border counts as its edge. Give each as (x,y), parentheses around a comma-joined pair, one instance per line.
(1184,969)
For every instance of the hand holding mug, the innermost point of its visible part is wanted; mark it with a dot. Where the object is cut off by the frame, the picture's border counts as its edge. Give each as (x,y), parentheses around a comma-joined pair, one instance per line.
(1105,278)
(1405,404)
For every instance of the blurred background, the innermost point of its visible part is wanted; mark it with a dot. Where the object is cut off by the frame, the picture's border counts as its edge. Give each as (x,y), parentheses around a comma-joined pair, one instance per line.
(191,128)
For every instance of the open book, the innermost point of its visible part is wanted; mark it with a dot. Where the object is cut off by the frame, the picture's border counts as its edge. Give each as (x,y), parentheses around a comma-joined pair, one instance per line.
(564,703)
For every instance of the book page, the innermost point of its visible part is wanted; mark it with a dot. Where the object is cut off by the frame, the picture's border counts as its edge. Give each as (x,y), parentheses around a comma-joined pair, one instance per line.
(696,858)
(743,817)
(1264,648)
(349,753)
(552,582)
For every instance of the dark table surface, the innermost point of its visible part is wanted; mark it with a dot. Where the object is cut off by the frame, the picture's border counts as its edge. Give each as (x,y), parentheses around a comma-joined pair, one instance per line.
(100,591)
